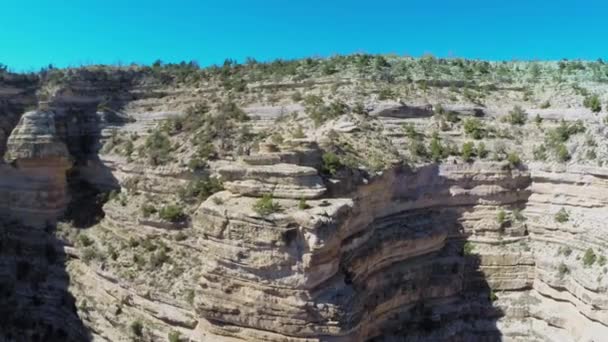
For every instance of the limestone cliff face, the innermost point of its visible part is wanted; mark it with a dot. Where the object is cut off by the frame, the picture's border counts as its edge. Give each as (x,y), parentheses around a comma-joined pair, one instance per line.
(385,260)
(445,251)
(35,189)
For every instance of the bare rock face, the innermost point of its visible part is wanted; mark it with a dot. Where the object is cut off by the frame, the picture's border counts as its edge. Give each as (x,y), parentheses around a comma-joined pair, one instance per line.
(35,138)
(37,185)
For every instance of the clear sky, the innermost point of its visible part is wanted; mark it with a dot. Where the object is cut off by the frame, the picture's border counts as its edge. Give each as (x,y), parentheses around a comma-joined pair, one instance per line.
(34,33)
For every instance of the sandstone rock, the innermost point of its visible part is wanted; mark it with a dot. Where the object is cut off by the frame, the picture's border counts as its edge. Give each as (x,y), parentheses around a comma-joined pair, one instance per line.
(35,138)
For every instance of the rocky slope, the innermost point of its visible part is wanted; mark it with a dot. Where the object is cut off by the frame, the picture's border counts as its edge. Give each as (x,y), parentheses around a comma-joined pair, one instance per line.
(385,205)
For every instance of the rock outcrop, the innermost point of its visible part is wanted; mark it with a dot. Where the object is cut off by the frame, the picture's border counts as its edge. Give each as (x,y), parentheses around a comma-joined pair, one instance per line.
(35,189)
(347,229)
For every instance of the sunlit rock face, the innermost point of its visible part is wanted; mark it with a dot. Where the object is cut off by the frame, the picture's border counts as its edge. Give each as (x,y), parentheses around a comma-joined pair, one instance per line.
(34,186)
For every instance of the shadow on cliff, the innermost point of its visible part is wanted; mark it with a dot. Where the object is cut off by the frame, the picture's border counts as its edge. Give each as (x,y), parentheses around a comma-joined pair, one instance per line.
(35,303)
(441,295)
(39,305)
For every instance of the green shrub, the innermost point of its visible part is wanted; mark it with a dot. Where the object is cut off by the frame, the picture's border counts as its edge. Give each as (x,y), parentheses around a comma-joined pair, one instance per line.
(563,132)
(174,336)
(538,120)
(493,297)
(331,163)
(302,205)
(298,133)
(137,328)
(190,294)
(266,205)
(601,260)
(468,248)
(85,240)
(385,94)
(172,213)
(200,189)
(561,153)
(545,105)
(196,164)
(513,159)
(482,152)
(517,116)
(566,250)
(158,148)
(474,128)
(562,216)
(589,258)
(147,210)
(501,216)
(593,102)
(89,253)
(467,151)
(540,153)
(517,215)
(438,152)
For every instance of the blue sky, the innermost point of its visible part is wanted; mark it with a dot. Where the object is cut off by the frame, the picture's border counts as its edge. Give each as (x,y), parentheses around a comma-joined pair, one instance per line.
(34,33)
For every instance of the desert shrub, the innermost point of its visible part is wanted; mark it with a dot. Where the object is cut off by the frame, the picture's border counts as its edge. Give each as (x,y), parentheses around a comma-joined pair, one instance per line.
(89,253)
(563,132)
(593,103)
(190,296)
(561,153)
(589,258)
(545,105)
(172,213)
(565,250)
(296,96)
(319,112)
(501,216)
(513,159)
(540,152)
(385,94)
(231,110)
(157,147)
(538,120)
(266,205)
(474,128)
(417,148)
(302,205)
(562,270)
(467,150)
(147,210)
(174,336)
(517,215)
(492,296)
(411,132)
(482,152)
(158,258)
(85,240)
(562,216)
(331,163)
(438,151)
(517,116)
(298,133)
(200,189)
(468,248)
(137,328)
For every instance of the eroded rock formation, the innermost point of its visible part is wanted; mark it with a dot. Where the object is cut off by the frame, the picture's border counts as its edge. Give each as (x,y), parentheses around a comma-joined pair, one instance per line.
(292,248)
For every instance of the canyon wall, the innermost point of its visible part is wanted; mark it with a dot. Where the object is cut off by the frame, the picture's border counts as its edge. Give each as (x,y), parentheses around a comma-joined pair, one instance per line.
(445,251)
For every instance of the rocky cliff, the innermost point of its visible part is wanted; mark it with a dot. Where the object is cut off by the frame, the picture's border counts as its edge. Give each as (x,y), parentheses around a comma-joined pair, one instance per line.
(149,204)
